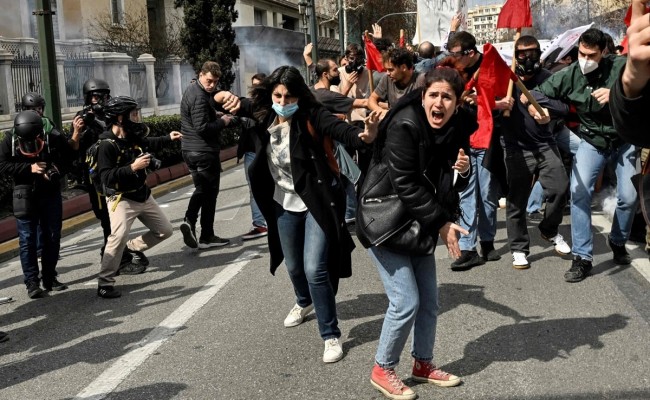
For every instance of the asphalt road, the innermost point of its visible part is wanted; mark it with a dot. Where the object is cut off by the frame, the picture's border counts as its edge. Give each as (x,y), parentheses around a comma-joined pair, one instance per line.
(208,325)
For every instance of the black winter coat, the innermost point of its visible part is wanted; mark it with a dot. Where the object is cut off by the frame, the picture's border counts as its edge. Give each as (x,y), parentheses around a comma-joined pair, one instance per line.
(19,167)
(420,161)
(199,123)
(114,161)
(318,187)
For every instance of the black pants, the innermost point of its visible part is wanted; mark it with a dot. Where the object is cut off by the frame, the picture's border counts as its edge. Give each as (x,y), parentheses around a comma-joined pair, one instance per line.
(205,168)
(522,166)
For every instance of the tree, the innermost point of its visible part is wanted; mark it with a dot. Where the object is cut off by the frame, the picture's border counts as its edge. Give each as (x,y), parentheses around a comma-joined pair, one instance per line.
(208,35)
(132,36)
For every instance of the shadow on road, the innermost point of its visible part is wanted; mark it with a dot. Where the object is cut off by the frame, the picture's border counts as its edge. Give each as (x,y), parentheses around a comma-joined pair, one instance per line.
(541,340)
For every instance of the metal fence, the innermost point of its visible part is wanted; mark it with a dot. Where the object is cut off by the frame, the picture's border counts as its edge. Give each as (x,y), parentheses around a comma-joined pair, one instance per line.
(163,76)
(77,69)
(138,82)
(26,76)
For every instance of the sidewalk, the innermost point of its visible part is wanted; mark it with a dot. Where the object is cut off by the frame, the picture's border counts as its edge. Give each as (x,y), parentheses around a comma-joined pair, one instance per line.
(10,249)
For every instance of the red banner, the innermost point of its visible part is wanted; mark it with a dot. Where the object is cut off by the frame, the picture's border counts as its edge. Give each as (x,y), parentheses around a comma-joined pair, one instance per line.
(373,56)
(515,14)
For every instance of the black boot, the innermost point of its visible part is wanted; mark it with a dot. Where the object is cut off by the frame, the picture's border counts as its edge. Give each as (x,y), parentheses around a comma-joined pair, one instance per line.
(488,252)
(467,260)
(621,256)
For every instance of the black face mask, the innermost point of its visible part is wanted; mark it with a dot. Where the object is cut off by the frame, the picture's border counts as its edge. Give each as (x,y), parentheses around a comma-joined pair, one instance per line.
(335,80)
(528,66)
(136,129)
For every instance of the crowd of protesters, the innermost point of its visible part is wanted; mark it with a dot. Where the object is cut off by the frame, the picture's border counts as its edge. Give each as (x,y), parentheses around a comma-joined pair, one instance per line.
(400,163)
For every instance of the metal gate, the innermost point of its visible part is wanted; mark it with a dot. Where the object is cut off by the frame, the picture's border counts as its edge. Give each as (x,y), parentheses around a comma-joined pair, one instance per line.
(138,82)
(163,76)
(78,68)
(26,76)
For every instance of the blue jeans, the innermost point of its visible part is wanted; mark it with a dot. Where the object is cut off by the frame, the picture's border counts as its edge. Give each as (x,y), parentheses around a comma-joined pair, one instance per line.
(258,218)
(587,166)
(412,290)
(305,254)
(478,203)
(49,216)
(568,142)
(350,200)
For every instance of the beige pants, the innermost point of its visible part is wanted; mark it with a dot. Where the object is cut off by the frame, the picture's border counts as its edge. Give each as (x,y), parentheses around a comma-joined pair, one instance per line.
(126,211)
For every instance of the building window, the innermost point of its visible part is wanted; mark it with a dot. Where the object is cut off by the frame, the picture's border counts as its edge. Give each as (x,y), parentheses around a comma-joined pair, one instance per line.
(289,23)
(117,11)
(259,16)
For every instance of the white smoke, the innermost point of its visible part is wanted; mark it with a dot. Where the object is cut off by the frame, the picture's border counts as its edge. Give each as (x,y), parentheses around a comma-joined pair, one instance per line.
(606,199)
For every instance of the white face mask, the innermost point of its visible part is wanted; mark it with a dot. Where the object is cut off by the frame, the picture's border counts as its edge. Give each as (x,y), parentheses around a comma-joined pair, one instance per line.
(587,66)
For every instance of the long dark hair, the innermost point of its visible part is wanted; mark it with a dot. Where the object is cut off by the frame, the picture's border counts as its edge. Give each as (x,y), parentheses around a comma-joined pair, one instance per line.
(289,77)
(414,98)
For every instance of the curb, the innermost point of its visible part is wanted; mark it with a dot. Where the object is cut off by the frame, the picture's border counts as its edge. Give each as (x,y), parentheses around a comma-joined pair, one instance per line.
(10,248)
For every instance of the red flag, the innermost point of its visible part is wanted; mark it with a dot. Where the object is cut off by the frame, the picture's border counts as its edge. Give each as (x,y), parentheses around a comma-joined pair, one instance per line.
(515,14)
(373,56)
(492,82)
(628,20)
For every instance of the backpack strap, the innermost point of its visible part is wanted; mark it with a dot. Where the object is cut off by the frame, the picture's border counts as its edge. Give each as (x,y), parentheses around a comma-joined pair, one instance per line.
(328,146)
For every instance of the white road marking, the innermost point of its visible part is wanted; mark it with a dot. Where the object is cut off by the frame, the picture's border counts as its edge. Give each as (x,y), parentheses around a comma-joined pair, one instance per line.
(110,379)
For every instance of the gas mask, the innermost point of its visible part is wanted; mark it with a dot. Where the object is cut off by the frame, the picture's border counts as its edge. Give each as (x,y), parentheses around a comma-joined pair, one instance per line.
(528,62)
(134,127)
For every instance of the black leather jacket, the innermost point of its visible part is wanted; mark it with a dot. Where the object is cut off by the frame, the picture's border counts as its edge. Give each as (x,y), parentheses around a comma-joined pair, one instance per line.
(419,160)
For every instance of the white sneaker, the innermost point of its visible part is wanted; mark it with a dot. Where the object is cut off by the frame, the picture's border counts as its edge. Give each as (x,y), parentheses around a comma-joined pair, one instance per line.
(561,247)
(333,351)
(297,315)
(519,260)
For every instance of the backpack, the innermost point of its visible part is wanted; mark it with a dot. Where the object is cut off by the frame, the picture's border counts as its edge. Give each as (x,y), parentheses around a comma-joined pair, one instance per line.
(93,169)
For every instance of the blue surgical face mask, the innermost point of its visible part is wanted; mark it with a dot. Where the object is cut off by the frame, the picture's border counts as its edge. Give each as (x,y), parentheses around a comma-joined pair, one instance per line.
(285,111)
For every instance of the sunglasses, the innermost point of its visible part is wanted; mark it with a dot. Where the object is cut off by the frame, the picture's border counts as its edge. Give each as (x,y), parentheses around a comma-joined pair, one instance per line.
(459,53)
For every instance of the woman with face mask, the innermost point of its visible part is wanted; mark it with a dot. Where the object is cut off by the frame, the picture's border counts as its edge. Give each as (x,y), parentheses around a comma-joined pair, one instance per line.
(296,185)
(409,198)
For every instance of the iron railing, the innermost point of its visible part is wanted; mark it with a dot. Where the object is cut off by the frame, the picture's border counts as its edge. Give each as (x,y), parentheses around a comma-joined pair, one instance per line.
(26,76)
(138,82)
(163,76)
(77,69)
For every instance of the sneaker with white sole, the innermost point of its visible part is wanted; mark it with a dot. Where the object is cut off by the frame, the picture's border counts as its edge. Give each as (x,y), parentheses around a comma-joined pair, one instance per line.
(333,351)
(189,235)
(256,232)
(561,246)
(213,241)
(297,315)
(519,260)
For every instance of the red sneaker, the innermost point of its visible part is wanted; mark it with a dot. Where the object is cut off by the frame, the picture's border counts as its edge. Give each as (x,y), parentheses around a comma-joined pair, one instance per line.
(425,371)
(386,381)
(255,232)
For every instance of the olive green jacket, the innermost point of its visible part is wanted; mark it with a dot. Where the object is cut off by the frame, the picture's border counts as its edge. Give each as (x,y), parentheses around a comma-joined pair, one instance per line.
(574,88)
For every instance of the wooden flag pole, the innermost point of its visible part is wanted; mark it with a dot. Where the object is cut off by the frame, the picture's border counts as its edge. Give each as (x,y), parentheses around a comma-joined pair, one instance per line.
(371,83)
(529,96)
(506,113)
